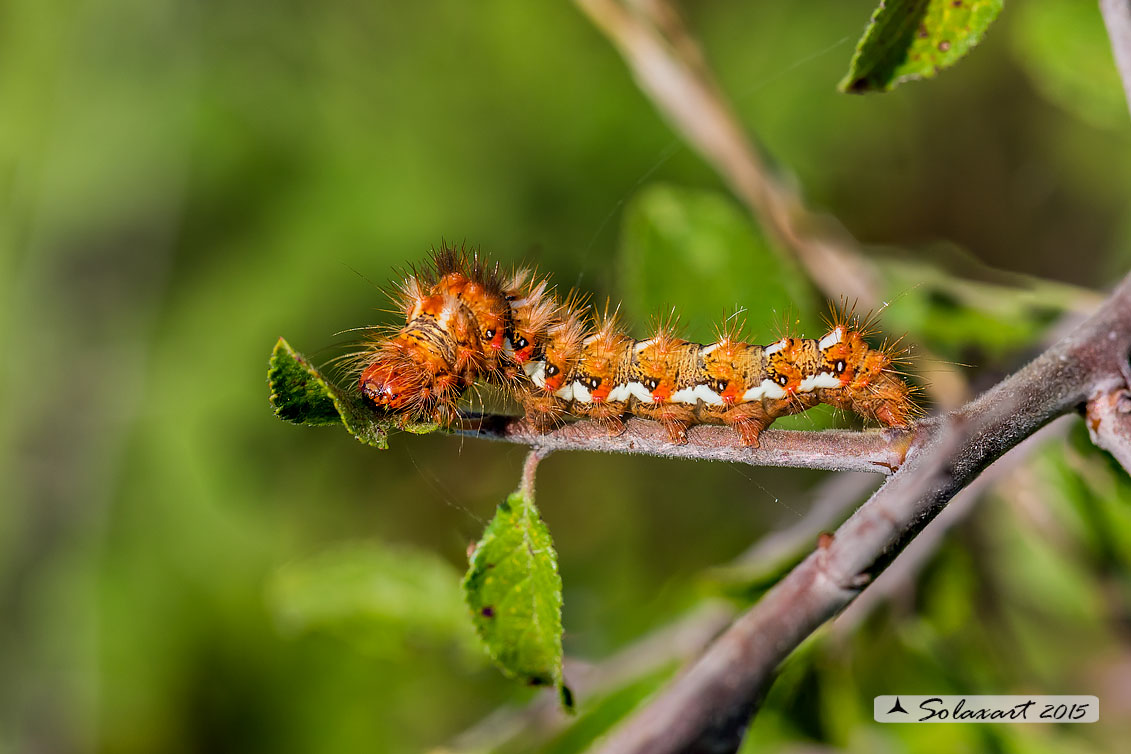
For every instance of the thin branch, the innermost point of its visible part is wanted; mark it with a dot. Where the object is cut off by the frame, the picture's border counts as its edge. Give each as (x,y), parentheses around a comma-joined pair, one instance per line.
(529,469)
(710,706)
(1117,19)
(881,451)
(671,70)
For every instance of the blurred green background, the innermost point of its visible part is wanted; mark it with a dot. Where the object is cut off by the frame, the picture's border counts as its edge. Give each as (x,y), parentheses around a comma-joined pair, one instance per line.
(182,182)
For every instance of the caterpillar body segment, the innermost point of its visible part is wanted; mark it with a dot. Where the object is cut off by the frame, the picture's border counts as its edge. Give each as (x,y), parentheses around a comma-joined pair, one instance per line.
(465,324)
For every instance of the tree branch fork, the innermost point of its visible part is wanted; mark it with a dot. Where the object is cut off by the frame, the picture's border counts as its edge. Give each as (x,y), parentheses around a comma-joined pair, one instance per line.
(709,705)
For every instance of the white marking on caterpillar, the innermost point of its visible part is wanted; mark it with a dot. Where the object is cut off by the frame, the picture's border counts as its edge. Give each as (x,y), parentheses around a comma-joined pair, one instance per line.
(644,344)
(536,371)
(565,392)
(824,379)
(706,350)
(834,337)
(768,389)
(708,396)
(696,393)
(638,391)
(619,394)
(581,393)
(686,395)
(771,350)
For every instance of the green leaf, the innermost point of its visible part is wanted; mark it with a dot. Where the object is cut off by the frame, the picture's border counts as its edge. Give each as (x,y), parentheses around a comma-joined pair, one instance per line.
(515,595)
(379,598)
(300,394)
(699,252)
(1064,48)
(911,39)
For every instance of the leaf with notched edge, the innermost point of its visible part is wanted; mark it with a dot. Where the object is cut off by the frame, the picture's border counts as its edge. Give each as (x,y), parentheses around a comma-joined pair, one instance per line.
(515,595)
(301,395)
(911,39)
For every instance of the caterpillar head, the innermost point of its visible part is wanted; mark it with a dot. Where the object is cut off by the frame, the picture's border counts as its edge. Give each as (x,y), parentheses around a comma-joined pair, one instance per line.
(387,384)
(418,369)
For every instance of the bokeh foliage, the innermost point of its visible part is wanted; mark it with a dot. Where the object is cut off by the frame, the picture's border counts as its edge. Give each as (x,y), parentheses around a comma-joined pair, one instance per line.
(184,182)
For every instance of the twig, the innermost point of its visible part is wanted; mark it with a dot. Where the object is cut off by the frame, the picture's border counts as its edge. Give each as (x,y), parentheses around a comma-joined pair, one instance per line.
(529,469)
(670,69)
(708,708)
(1117,19)
(880,451)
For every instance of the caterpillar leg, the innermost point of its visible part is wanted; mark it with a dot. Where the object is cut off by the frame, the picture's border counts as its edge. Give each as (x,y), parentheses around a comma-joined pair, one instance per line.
(884,398)
(676,418)
(748,419)
(608,415)
(613,424)
(543,413)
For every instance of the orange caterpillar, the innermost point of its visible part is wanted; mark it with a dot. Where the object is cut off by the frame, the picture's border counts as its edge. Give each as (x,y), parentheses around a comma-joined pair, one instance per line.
(464,324)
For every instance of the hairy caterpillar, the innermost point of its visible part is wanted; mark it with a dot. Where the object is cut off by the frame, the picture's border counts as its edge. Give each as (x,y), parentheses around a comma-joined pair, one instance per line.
(464,323)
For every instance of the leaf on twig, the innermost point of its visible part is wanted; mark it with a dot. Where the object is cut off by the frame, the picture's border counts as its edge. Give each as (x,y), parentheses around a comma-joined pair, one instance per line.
(911,39)
(374,596)
(300,394)
(515,595)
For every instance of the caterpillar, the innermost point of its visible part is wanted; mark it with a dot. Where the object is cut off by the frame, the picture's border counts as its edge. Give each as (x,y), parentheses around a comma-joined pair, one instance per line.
(466,323)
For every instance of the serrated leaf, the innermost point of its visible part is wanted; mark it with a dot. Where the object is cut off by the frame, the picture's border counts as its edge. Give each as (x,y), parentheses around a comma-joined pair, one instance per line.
(378,598)
(515,595)
(698,251)
(911,39)
(300,394)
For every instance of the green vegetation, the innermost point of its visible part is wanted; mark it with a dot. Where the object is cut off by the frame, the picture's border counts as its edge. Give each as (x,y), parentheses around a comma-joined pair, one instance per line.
(184,183)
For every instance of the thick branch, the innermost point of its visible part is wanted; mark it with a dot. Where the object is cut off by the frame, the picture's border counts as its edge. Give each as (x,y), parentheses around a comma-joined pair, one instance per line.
(879,451)
(710,705)
(1117,19)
